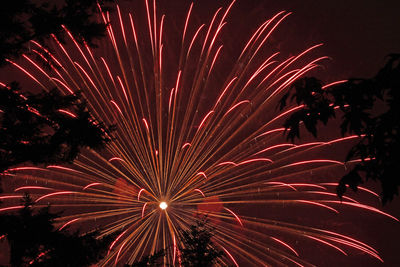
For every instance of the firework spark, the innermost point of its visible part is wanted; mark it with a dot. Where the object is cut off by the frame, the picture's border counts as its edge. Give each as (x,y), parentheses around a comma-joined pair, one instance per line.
(188,145)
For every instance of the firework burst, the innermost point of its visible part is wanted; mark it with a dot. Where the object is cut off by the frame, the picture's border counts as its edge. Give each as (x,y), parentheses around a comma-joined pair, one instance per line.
(190,144)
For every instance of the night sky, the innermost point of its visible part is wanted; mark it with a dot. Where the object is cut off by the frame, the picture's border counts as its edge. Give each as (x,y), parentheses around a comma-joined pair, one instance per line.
(357,35)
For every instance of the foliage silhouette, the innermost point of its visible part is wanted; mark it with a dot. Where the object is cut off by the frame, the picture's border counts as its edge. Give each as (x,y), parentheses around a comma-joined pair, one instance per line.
(152,260)
(360,101)
(24,20)
(33,127)
(196,249)
(35,241)
(36,128)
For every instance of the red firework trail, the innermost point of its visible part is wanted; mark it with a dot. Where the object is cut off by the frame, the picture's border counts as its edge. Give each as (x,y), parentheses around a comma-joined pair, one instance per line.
(204,147)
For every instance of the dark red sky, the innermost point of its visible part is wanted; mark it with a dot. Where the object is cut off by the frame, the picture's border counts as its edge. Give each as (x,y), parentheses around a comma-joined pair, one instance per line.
(357,34)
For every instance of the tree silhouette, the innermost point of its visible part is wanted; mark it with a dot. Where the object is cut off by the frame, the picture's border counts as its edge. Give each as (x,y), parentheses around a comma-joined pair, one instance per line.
(358,100)
(152,260)
(197,249)
(24,20)
(45,128)
(34,241)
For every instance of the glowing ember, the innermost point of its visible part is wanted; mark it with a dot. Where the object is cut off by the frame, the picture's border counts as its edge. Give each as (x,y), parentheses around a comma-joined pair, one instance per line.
(163,205)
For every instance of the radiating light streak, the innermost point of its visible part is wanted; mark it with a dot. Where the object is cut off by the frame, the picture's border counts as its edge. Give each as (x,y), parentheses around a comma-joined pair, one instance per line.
(123,88)
(230,256)
(170,99)
(308,185)
(185,145)
(11,208)
(138,196)
(41,254)
(116,106)
(177,81)
(156,161)
(283,114)
(332,195)
(174,256)
(214,59)
(317,204)
(209,30)
(263,66)
(245,162)
(54,194)
(108,71)
(68,223)
(119,252)
(327,243)
(275,146)
(54,59)
(281,184)
(201,192)
(121,24)
(361,206)
(271,30)
(356,246)
(76,44)
(115,241)
(63,84)
(31,187)
(237,217)
(87,76)
(116,158)
(91,185)
(205,118)
(235,106)
(193,40)
(271,131)
(185,27)
(345,237)
(359,187)
(62,168)
(342,139)
(286,245)
(144,207)
(10,197)
(69,113)
(313,161)
(146,124)
(202,174)
(360,160)
(259,31)
(333,84)
(228,163)
(24,169)
(26,72)
(255,160)
(224,91)
(301,55)
(36,65)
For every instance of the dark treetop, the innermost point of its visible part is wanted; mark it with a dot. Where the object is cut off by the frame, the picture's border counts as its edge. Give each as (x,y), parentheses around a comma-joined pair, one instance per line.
(360,101)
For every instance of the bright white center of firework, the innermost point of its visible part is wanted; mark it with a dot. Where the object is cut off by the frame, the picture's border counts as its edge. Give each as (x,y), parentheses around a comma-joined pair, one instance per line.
(163,205)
